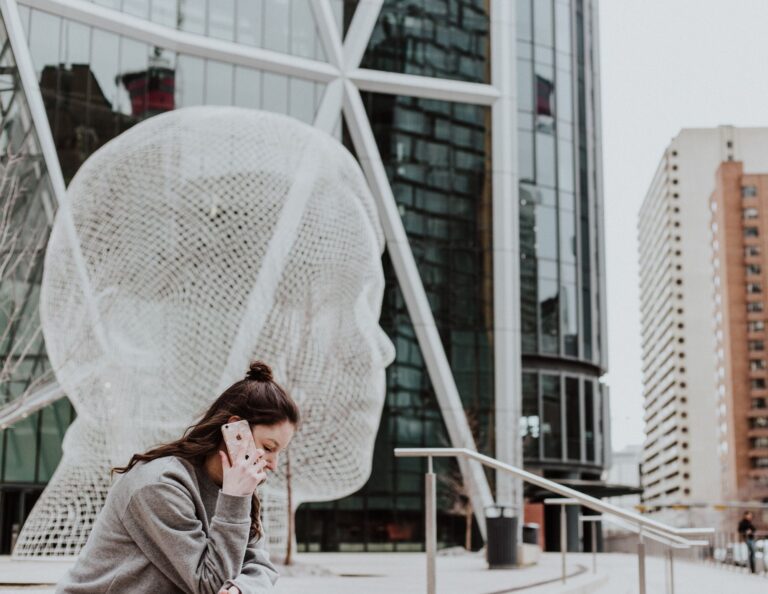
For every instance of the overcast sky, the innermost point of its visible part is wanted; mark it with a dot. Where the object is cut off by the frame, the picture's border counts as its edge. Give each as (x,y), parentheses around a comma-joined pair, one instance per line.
(666,65)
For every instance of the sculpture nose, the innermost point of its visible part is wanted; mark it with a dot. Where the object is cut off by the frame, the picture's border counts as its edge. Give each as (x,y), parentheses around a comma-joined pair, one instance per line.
(384,347)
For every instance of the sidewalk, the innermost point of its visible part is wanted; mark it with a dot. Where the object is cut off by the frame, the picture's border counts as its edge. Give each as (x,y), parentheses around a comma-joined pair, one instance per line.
(353,573)
(404,573)
(690,578)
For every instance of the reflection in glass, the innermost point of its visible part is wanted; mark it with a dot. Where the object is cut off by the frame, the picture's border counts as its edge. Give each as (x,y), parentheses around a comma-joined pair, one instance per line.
(165,12)
(573,418)
(191,16)
(563,26)
(570,319)
(27,208)
(219,83)
(221,19)
(552,428)
(525,85)
(567,234)
(589,419)
(530,424)
(545,159)
(528,271)
(565,173)
(546,232)
(564,96)
(524,18)
(525,154)
(543,22)
(431,39)
(549,303)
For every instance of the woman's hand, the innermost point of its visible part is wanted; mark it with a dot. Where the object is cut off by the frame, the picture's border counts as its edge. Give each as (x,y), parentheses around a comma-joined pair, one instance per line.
(230,590)
(242,476)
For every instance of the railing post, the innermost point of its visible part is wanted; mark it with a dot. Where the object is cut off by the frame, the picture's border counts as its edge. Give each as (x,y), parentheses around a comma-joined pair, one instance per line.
(431,527)
(641,559)
(563,538)
(671,553)
(594,547)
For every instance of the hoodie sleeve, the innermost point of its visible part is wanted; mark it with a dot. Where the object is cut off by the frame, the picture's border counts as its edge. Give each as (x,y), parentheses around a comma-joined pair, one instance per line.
(161,520)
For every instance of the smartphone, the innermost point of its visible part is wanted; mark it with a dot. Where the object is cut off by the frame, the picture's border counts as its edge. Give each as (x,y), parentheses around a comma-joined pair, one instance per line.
(239,440)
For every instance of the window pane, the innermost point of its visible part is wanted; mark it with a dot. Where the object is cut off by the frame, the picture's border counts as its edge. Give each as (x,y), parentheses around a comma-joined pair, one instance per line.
(531,423)
(218,84)
(573,417)
(247,87)
(565,173)
(570,318)
(525,154)
(164,12)
(563,26)
(525,85)
(545,159)
(54,424)
(548,312)
(567,236)
(546,232)
(543,22)
(221,19)
(21,451)
(552,413)
(589,419)
(192,16)
(524,16)
(190,81)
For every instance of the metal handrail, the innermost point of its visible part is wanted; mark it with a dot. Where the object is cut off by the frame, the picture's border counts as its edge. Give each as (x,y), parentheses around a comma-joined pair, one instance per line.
(645,525)
(549,485)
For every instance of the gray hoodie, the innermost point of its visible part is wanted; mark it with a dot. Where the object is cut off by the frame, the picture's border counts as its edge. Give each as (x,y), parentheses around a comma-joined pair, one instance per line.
(166,527)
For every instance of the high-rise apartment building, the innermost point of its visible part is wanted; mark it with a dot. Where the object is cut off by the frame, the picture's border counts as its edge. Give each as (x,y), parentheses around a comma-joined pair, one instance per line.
(679,337)
(739,243)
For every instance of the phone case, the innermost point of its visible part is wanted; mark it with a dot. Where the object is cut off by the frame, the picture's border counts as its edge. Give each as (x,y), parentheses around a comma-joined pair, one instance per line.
(238,439)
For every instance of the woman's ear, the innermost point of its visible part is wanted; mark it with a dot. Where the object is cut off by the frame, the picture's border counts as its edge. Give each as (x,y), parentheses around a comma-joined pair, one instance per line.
(233,419)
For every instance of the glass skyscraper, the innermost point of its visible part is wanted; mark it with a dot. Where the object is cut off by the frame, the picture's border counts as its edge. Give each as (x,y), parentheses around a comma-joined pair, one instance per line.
(95,83)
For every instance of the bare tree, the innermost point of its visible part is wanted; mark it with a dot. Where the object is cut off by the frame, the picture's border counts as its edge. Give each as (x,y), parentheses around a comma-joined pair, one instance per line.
(289,547)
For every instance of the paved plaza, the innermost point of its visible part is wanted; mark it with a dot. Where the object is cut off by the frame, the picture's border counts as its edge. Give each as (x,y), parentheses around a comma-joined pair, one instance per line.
(403,573)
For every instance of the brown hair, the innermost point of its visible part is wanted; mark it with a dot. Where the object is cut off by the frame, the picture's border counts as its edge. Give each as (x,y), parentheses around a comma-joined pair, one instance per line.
(257,398)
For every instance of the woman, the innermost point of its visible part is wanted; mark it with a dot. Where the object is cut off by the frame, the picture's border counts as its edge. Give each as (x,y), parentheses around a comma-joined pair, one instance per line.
(183,518)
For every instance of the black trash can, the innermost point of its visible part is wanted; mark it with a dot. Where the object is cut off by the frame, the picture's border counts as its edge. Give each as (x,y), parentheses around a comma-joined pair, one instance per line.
(531,533)
(501,538)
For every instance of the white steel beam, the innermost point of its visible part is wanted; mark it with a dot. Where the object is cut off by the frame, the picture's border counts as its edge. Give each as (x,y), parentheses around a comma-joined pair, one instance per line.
(330,37)
(395,83)
(17,410)
(186,43)
(28,79)
(506,253)
(329,112)
(400,253)
(359,32)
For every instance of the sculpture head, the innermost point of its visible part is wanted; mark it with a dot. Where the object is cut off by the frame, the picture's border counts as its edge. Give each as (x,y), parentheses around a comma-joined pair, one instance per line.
(212,236)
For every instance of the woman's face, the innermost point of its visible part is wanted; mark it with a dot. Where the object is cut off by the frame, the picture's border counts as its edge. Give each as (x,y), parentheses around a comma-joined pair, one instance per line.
(272,439)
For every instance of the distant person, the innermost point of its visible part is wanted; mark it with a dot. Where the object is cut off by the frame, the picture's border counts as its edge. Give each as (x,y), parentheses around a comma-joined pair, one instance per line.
(747,533)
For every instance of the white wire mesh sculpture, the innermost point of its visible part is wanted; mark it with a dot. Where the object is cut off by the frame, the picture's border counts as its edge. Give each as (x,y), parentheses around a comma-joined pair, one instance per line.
(212,236)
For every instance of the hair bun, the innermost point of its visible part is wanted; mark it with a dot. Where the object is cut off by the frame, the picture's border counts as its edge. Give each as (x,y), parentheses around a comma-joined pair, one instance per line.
(259,372)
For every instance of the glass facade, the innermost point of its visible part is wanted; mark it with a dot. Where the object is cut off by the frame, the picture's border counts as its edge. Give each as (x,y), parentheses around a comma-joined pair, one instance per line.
(560,296)
(437,156)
